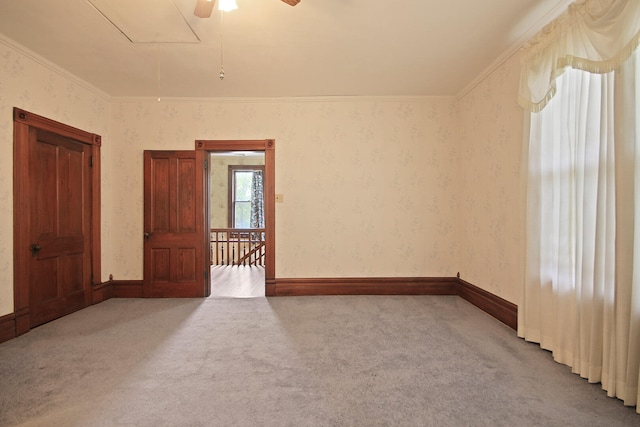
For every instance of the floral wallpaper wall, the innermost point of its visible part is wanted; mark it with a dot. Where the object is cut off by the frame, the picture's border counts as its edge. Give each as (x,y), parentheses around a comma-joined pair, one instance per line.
(36,86)
(492,194)
(369,185)
(373,187)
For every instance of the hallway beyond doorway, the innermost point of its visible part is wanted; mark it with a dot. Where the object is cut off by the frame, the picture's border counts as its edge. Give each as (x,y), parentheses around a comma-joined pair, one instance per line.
(237,281)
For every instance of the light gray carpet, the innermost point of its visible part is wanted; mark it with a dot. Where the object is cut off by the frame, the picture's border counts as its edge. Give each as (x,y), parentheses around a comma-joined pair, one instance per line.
(303,361)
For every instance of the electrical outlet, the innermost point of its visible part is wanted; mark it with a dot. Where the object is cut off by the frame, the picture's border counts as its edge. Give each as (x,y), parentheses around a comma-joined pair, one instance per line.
(279,198)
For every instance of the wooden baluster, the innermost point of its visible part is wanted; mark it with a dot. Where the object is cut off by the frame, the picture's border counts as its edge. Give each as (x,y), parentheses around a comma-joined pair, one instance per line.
(255,245)
(247,244)
(218,248)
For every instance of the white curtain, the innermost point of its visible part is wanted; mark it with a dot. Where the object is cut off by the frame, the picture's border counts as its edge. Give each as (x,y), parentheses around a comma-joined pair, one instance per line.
(581,297)
(594,35)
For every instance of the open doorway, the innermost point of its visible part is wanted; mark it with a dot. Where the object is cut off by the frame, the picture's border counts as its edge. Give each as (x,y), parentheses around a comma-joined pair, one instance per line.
(268,147)
(237,223)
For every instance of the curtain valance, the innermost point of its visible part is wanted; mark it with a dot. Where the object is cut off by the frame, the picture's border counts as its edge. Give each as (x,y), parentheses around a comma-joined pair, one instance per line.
(593,35)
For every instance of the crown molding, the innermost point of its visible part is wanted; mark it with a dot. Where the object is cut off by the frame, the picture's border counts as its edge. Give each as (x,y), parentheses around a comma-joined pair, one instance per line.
(51,66)
(515,47)
(271,100)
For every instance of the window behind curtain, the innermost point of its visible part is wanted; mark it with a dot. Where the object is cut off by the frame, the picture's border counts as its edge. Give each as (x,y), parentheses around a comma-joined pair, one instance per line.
(582,290)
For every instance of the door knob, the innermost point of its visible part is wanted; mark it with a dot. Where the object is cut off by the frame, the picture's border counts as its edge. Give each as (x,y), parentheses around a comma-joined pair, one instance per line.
(147,235)
(35,248)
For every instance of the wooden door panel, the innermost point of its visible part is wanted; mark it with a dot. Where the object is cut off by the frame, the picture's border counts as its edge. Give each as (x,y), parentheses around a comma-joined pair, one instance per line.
(44,159)
(58,287)
(70,273)
(44,280)
(160,259)
(186,265)
(185,186)
(71,199)
(56,246)
(174,223)
(160,202)
(60,269)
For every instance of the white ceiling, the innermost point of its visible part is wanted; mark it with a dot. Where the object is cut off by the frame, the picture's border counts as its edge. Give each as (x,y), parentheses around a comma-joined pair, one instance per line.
(317,48)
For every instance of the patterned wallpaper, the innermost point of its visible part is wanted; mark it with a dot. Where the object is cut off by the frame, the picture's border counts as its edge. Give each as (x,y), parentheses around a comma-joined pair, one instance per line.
(377,187)
(369,185)
(492,194)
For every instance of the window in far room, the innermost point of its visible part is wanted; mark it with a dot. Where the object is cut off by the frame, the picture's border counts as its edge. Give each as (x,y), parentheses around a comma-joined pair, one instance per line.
(246,203)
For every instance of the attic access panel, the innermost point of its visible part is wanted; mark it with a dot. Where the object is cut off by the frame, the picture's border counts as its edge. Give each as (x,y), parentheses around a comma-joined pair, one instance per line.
(147,21)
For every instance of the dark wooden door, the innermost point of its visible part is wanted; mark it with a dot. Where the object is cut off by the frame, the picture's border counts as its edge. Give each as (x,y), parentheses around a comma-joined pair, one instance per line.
(174,249)
(60,226)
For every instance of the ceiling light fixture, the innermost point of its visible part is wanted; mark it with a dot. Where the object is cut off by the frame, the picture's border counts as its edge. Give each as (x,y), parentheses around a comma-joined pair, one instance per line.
(221,56)
(227,5)
(224,6)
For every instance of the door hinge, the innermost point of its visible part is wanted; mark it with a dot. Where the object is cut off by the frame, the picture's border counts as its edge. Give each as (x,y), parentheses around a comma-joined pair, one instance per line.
(91,161)
(206,163)
(206,275)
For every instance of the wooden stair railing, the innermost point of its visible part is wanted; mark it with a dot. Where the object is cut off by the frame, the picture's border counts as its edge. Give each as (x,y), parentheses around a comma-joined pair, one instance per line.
(256,254)
(232,246)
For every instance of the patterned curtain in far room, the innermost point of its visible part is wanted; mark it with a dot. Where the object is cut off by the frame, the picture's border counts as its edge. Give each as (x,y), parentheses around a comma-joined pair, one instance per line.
(257,200)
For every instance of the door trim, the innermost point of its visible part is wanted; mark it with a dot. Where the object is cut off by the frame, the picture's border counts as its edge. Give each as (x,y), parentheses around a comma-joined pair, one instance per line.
(268,146)
(23,121)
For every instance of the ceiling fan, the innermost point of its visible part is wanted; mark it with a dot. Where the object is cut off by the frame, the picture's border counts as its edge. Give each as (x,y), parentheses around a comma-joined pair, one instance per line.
(205,7)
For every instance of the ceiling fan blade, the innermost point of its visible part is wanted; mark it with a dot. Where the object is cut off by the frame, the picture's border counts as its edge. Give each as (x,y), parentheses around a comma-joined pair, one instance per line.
(291,2)
(204,8)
